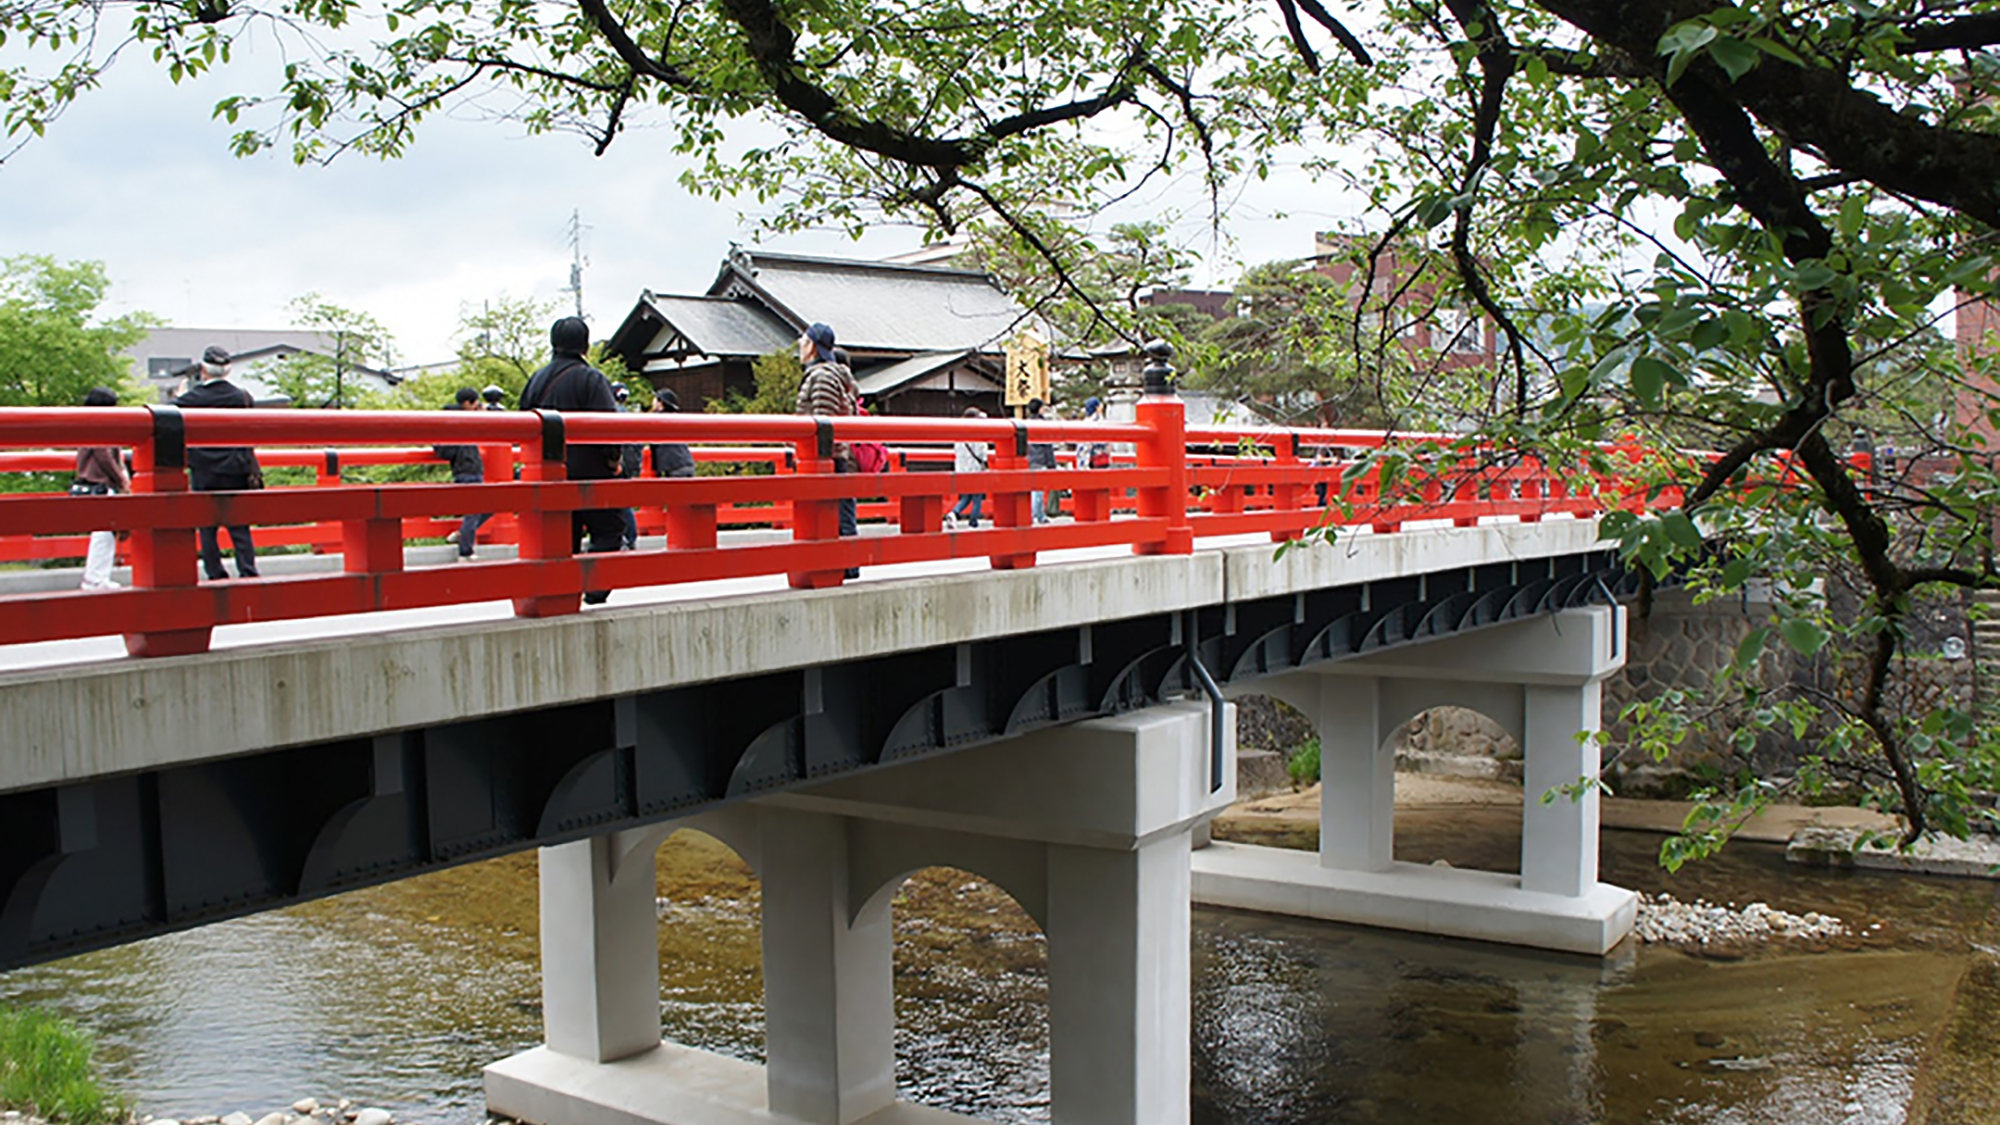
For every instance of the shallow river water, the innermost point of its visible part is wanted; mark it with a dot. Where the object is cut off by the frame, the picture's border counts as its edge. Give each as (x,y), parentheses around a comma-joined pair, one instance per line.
(397,995)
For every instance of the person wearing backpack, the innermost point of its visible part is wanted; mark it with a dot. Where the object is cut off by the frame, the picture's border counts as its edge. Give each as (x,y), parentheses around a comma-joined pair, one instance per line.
(568,383)
(827,388)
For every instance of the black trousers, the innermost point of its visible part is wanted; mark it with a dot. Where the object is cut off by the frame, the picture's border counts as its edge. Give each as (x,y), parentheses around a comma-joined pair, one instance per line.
(605,528)
(239,534)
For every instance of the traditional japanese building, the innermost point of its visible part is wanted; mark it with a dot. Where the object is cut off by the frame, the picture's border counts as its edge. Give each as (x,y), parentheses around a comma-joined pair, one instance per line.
(923,339)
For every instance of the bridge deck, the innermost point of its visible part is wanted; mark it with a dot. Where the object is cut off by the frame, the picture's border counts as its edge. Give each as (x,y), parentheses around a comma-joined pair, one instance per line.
(72,710)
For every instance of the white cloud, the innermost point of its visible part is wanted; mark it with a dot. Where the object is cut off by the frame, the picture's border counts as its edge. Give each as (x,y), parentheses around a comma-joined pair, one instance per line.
(137,175)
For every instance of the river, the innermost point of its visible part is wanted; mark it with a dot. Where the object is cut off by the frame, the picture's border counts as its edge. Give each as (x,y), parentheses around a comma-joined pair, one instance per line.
(397,995)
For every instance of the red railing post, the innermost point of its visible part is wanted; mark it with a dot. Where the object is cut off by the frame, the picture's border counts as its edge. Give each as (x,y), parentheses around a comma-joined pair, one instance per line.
(1286,493)
(164,558)
(920,515)
(1164,447)
(496,466)
(371,546)
(546,534)
(1015,507)
(1092,504)
(816,520)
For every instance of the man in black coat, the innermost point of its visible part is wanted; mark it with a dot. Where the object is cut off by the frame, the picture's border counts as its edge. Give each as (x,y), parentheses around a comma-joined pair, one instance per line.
(230,468)
(570,383)
(467,467)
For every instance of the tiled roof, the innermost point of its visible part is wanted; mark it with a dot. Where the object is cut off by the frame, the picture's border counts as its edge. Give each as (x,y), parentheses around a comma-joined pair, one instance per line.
(876,305)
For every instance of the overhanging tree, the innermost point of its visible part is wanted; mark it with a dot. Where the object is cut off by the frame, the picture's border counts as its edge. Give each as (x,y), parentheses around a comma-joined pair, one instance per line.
(1697,222)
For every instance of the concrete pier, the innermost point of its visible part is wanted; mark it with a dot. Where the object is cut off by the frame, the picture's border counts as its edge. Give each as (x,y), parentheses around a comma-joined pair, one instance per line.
(1539,679)
(1087,826)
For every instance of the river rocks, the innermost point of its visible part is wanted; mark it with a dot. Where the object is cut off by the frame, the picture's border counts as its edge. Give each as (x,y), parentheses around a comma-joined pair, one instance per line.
(1934,854)
(1664,920)
(305,1111)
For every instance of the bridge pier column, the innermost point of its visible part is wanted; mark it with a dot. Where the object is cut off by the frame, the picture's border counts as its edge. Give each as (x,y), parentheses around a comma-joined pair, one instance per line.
(1540,679)
(1559,837)
(1086,825)
(829,990)
(1357,769)
(1119,964)
(600,949)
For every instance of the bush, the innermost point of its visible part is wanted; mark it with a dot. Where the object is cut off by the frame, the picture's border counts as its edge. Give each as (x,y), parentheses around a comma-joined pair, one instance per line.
(45,1070)
(1303,762)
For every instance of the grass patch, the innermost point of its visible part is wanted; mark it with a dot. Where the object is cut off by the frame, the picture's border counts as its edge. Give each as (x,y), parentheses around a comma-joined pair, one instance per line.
(1303,763)
(45,1070)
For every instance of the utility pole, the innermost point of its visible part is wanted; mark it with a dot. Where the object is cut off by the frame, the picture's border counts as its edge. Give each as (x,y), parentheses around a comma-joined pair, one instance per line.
(576,229)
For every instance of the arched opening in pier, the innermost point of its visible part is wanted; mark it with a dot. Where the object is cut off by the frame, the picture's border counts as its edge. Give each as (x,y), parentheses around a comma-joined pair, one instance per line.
(710,908)
(972,998)
(1277,749)
(1458,790)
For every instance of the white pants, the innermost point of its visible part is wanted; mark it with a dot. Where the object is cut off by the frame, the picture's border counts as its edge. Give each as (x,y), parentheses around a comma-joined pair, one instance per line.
(97,564)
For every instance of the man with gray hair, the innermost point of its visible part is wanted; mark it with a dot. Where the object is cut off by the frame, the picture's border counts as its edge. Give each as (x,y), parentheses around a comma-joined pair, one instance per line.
(231,468)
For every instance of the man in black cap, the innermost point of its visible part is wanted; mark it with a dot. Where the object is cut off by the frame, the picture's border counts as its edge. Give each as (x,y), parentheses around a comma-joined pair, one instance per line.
(231,468)
(467,467)
(670,458)
(570,383)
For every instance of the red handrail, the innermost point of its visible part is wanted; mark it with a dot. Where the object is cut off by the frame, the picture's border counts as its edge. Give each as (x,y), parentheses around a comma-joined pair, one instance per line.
(1172,487)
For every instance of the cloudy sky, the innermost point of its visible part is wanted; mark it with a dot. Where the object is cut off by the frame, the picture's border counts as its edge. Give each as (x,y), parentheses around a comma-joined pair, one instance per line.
(138,176)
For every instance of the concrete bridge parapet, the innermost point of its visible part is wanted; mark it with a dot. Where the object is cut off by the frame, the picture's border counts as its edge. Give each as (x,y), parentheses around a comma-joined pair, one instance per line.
(1088,826)
(1541,680)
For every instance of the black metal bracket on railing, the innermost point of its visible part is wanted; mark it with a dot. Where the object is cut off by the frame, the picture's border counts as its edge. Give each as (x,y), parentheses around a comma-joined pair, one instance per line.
(1218,707)
(333,464)
(823,433)
(169,437)
(1020,438)
(554,445)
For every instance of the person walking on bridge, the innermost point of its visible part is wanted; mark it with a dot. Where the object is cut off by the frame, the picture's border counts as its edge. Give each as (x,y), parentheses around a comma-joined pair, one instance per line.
(100,471)
(828,389)
(670,458)
(1041,455)
(467,467)
(968,457)
(231,468)
(569,383)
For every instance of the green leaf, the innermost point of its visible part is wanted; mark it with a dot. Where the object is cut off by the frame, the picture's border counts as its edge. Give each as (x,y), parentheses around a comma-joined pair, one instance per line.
(1776,49)
(1682,530)
(1752,646)
(1734,56)
(1803,634)
(1649,379)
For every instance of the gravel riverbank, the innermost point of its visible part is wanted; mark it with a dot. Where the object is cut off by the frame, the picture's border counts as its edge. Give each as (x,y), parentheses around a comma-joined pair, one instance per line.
(1664,920)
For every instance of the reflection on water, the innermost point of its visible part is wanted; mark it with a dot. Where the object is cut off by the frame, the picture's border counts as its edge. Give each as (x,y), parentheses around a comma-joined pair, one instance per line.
(1299,1022)
(398,995)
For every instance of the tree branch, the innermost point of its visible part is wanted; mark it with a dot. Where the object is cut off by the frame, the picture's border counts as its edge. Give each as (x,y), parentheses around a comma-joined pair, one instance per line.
(1966,33)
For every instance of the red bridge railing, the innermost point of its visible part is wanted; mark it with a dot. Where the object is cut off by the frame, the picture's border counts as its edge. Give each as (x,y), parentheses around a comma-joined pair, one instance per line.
(1166,486)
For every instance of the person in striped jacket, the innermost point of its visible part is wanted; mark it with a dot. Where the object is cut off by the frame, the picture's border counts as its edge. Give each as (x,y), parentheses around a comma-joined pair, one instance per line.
(828,389)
